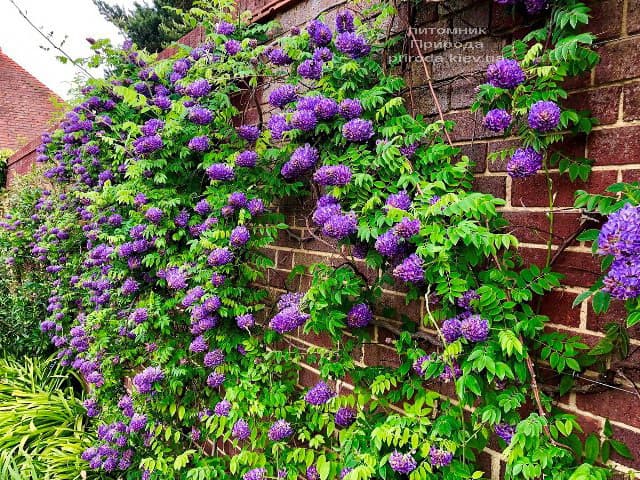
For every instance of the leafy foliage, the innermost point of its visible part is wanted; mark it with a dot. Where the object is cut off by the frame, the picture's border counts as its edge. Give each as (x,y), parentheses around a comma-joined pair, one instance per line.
(42,430)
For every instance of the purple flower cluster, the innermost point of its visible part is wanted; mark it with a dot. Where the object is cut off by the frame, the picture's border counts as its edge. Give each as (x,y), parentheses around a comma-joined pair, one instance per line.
(505,431)
(619,237)
(544,116)
(421,364)
(411,270)
(319,394)
(198,88)
(280,430)
(283,95)
(145,381)
(241,430)
(403,463)
(199,144)
(505,73)
(400,200)
(220,171)
(239,236)
(248,159)
(357,130)
(319,33)
(352,45)
(302,160)
(497,120)
(345,417)
(289,316)
(332,175)
(359,316)
(524,163)
(439,457)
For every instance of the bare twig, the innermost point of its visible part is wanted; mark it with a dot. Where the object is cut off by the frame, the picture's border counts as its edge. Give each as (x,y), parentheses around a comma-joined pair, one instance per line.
(429,80)
(51,42)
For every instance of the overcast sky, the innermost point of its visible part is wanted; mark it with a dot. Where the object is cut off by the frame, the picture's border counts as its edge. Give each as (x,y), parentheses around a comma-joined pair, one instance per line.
(76,19)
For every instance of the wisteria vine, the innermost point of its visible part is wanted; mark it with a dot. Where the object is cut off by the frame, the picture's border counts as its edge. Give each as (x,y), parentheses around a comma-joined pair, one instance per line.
(155,227)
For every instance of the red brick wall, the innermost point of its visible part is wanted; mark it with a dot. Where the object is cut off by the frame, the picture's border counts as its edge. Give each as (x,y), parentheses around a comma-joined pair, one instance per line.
(25,105)
(611,91)
(22,160)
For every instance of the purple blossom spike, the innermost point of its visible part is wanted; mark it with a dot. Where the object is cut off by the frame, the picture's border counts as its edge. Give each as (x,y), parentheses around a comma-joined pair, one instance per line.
(239,236)
(359,316)
(451,329)
(220,171)
(403,463)
(497,120)
(345,417)
(320,33)
(319,394)
(241,430)
(505,73)
(248,159)
(199,144)
(332,175)
(357,130)
(350,108)
(474,328)
(524,163)
(410,270)
(544,116)
(280,430)
(340,226)
(439,457)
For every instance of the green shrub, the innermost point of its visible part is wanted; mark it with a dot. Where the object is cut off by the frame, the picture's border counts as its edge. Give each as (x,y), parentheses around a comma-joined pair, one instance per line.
(41,422)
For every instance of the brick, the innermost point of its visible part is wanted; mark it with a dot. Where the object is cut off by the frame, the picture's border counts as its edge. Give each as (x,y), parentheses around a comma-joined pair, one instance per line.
(429,38)
(477,153)
(496,186)
(616,313)
(389,302)
(632,440)
(26,109)
(503,18)
(285,260)
(633,16)
(532,192)
(579,269)
(381,355)
(631,106)
(602,102)
(619,61)
(612,404)
(631,175)
(615,146)
(558,307)
(423,100)
(461,61)
(463,91)
(533,227)
(472,22)
(606,18)
(468,126)
(307,378)
(500,165)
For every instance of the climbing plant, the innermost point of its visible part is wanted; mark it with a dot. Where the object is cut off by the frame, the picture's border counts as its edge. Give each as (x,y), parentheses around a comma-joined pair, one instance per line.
(155,225)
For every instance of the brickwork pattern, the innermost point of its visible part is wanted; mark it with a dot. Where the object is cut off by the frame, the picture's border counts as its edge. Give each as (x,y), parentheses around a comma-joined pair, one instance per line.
(25,105)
